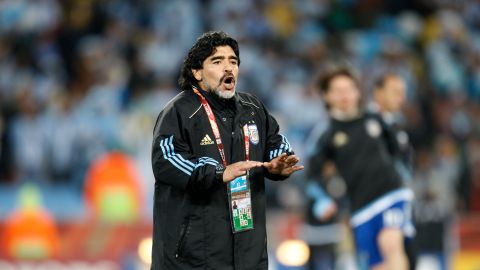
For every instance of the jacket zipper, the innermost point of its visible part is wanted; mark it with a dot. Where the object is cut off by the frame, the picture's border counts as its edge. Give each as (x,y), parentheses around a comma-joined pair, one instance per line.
(183,234)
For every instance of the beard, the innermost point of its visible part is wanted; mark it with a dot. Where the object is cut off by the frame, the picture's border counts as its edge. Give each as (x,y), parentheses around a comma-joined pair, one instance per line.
(223,94)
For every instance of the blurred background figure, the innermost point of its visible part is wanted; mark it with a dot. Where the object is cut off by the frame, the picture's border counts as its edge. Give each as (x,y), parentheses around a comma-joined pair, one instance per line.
(388,99)
(363,149)
(30,232)
(112,189)
(80,79)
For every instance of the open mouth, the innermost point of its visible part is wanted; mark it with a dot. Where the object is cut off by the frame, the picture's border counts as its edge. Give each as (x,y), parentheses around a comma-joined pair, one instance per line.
(229,82)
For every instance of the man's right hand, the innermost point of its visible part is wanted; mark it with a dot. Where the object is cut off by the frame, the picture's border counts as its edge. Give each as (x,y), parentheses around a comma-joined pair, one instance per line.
(237,169)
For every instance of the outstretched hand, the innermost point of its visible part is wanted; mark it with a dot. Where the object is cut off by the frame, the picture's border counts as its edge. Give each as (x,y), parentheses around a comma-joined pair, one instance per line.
(240,168)
(283,165)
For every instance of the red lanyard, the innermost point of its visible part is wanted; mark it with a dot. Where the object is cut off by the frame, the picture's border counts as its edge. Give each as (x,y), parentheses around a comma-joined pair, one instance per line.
(246,139)
(216,131)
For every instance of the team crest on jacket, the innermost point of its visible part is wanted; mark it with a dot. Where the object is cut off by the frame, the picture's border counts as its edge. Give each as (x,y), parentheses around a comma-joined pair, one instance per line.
(253,133)
(340,139)
(373,128)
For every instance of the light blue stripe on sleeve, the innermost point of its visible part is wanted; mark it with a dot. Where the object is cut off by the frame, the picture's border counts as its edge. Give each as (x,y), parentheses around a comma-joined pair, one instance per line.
(174,161)
(177,157)
(187,162)
(206,160)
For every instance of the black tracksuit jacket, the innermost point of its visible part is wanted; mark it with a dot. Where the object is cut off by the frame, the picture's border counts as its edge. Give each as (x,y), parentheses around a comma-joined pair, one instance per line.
(192,226)
(363,150)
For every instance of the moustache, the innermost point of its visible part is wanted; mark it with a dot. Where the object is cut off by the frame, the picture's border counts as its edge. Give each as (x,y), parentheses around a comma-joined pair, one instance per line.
(224,76)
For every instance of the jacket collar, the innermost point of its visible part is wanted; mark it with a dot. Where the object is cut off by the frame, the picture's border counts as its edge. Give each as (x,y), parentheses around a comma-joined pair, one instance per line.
(222,106)
(240,103)
(243,109)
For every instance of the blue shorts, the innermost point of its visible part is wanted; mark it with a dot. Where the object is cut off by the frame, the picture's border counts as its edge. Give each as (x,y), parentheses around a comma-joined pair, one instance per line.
(391,210)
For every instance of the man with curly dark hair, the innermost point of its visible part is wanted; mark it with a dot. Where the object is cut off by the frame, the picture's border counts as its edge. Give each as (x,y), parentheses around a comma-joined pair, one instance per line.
(211,150)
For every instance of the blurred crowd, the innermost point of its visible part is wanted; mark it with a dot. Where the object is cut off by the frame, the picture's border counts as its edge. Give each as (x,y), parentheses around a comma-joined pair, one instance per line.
(81,78)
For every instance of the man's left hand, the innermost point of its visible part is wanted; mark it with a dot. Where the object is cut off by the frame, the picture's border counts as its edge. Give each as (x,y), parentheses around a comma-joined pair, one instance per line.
(283,165)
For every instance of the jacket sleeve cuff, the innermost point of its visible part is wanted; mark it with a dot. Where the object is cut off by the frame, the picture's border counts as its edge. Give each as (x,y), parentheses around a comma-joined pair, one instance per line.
(203,179)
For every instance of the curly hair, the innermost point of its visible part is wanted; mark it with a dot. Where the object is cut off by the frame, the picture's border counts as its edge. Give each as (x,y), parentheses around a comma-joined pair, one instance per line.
(205,46)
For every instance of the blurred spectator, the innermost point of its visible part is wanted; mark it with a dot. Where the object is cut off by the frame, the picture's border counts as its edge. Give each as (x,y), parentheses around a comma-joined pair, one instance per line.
(435,193)
(5,150)
(63,140)
(30,137)
(112,189)
(473,186)
(29,232)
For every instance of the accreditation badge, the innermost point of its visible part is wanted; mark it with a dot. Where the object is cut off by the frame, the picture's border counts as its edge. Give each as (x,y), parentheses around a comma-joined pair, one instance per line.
(239,184)
(240,204)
